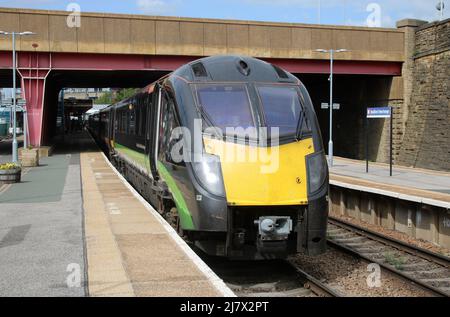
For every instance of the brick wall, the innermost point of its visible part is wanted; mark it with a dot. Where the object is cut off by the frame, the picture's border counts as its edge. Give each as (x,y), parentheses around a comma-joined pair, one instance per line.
(426,142)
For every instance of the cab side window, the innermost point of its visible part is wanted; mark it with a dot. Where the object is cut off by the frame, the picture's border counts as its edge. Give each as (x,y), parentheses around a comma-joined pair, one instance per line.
(168,122)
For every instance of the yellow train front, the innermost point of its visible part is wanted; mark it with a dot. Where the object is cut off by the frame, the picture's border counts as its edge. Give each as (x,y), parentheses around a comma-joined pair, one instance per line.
(253,178)
(229,150)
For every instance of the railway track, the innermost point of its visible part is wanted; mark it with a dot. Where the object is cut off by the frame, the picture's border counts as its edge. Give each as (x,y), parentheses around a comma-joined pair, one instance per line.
(426,269)
(316,286)
(274,278)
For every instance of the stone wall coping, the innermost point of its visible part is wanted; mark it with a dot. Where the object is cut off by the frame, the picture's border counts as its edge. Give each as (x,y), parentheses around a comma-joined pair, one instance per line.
(410,23)
(432,24)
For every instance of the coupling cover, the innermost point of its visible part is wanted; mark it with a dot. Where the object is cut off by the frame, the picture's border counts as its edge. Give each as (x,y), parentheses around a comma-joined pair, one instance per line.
(274,228)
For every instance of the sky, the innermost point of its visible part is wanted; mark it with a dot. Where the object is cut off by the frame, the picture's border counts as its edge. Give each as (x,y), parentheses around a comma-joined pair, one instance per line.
(381,13)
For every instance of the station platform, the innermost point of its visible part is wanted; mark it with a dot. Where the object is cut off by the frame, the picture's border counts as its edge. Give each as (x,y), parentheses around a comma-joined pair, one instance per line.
(419,185)
(75,227)
(412,202)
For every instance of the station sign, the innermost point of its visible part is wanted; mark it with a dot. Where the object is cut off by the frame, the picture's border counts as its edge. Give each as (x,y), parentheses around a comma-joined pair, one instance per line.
(381,112)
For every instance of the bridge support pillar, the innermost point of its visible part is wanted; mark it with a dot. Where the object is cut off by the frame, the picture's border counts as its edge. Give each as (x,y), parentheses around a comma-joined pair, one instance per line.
(34,68)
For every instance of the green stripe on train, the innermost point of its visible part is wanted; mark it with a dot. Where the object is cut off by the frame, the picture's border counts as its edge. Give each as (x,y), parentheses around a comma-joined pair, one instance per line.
(183,211)
(141,159)
(135,156)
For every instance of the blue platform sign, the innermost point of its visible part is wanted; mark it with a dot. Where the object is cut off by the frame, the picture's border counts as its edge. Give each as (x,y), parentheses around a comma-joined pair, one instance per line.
(381,112)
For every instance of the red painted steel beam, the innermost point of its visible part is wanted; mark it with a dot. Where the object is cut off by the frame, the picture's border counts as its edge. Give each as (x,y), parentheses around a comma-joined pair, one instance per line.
(302,66)
(73,61)
(76,61)
(35,66)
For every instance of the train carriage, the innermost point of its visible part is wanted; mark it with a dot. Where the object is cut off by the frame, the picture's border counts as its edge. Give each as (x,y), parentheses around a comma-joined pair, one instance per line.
(228,148)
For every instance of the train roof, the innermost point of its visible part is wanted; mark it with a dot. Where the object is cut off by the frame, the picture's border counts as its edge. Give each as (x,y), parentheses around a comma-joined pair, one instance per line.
(223,68)
(229,68)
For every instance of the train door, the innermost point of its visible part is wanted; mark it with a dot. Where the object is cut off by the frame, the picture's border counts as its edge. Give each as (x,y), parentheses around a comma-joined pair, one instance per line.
(171,166)
(154,104)
(112,122)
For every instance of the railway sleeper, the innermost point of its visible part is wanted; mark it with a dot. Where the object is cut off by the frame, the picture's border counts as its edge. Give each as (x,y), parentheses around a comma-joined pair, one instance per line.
(413,267)
(349,240)
(298,292)
(365,244)
(365,250)
(437,273)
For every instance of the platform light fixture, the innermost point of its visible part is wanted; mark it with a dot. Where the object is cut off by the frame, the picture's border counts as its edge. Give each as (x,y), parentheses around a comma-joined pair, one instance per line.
(15,158)
(319,9)
(330,143)
(440,7)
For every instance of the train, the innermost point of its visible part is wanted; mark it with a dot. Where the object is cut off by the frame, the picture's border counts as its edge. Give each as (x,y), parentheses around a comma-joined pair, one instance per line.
(228,150)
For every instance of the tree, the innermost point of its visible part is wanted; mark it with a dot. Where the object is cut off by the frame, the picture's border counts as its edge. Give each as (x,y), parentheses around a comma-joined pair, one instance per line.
(111,97)
(124,94)
(104,99)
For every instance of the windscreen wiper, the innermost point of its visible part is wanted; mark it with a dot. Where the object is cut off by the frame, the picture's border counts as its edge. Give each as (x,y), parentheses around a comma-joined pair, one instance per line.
(208,120)
(299,130)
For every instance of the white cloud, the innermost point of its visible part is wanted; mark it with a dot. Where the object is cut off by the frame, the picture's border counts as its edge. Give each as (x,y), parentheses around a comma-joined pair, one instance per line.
(391,11)
(298,3)
(28,3)
(155,6)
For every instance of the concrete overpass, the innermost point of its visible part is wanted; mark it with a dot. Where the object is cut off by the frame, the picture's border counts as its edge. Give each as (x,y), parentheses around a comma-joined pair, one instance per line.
(131,50)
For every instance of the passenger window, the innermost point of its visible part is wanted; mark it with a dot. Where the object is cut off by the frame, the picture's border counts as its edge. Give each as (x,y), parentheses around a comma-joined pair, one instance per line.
(124,121)
(144,116)
(149,115)
(132,116)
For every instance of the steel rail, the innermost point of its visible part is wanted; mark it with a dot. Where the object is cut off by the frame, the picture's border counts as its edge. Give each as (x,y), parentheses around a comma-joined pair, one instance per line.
(390,242)
(403,246)
(316,286)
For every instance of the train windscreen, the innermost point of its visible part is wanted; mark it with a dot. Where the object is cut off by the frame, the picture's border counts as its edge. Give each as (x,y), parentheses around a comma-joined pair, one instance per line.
(226,105)
(281,107)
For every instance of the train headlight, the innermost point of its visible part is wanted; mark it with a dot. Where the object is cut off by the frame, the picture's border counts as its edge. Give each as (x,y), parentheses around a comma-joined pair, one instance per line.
(209,174)
(317,171)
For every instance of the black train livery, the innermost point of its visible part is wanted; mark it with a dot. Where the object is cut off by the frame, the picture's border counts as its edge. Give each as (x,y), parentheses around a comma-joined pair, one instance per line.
(228,149)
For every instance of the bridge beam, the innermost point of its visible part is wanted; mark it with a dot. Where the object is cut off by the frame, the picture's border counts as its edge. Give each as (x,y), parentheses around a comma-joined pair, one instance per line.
(97,62)
(34,68)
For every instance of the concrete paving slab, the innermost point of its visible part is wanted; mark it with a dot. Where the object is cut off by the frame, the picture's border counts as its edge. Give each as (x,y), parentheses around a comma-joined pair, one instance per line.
(136,227)
(173,288)
(130,218)
(113,289)
(138,246)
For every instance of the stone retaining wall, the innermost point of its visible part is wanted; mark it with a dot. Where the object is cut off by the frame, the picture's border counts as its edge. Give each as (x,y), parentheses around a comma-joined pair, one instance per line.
(426,143)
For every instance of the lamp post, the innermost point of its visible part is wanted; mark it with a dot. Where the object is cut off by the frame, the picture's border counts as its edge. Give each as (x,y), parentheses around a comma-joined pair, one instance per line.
(318,12)
(440,7)
(330,143)
(13,35)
